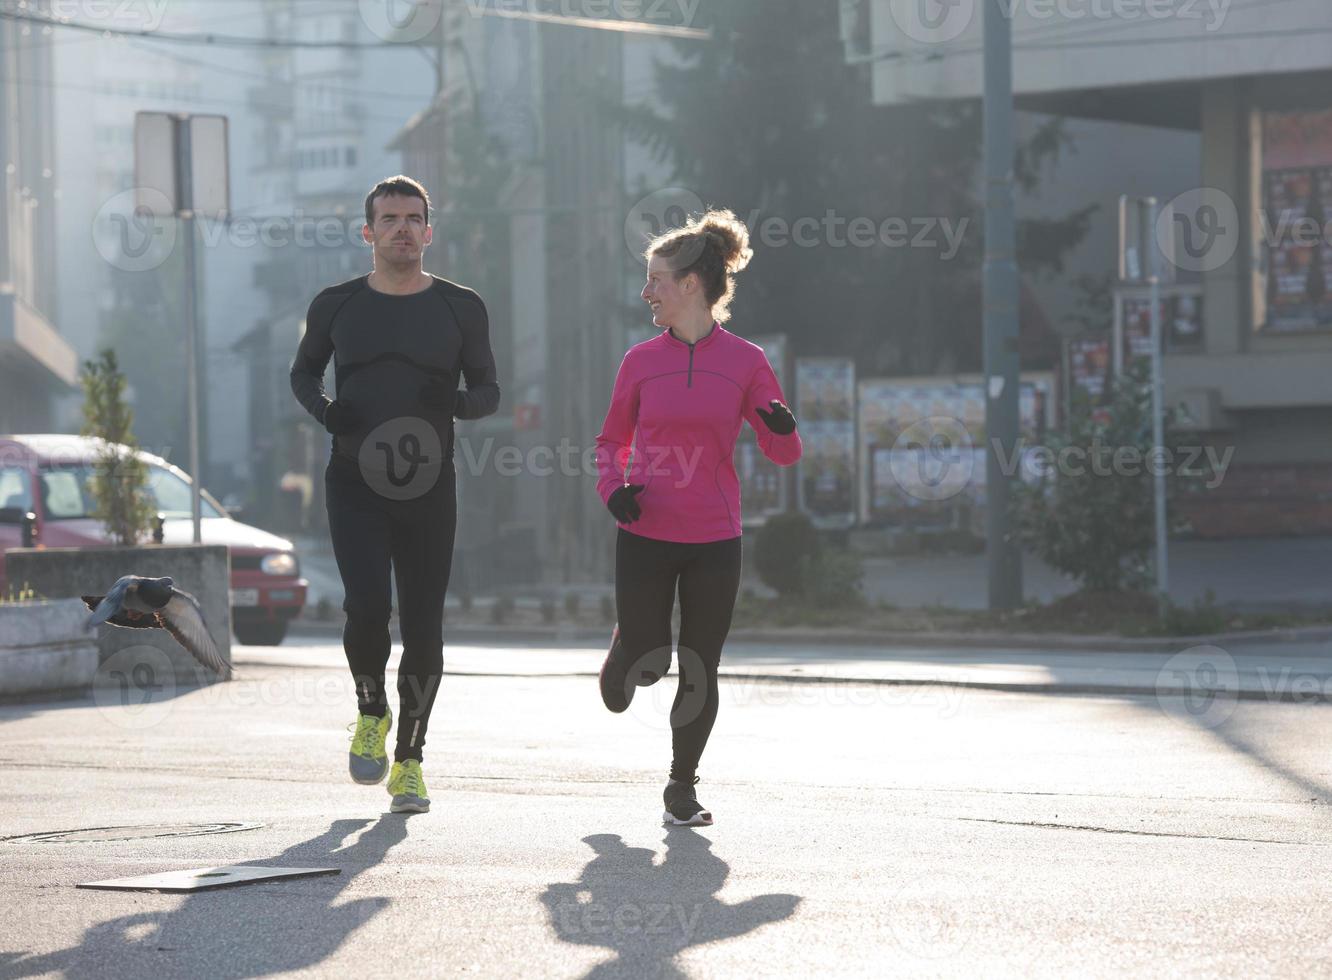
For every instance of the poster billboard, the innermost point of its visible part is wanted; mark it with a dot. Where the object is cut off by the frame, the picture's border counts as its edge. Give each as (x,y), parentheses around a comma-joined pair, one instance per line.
(763,484)
(826,407)
(1181,322)
(1294,217)
(922,445)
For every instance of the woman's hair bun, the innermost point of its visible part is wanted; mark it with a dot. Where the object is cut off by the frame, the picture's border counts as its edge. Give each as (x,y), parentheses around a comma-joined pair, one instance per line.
(730,236)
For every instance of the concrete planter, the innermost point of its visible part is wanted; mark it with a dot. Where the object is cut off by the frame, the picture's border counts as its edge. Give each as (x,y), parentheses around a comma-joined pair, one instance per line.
(44,648)
(202,570)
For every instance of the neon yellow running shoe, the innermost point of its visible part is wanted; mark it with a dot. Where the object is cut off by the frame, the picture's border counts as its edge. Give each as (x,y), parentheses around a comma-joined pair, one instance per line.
(367,760)
(408,788)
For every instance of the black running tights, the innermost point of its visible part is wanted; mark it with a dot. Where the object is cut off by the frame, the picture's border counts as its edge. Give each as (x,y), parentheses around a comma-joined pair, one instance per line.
(369,532)
(647,574)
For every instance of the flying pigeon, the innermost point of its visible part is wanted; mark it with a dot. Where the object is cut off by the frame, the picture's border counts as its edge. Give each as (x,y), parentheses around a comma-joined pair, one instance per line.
(136,602)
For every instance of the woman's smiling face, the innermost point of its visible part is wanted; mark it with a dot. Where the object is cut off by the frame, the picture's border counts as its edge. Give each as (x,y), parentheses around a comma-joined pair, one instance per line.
(668,297)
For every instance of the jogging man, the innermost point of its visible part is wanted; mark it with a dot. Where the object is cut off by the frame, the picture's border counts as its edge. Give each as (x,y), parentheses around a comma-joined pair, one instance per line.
(401,340)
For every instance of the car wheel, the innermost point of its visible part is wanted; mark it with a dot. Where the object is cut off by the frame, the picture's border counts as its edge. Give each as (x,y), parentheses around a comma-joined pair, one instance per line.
(266,633)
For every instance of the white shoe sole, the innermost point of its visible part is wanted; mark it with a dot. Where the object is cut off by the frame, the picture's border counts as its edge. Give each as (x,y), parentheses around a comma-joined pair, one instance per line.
(701,819)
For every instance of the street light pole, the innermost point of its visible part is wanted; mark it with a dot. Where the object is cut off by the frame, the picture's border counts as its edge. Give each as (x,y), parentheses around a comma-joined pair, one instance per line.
(1158,414)
(185,213)
(1003,548)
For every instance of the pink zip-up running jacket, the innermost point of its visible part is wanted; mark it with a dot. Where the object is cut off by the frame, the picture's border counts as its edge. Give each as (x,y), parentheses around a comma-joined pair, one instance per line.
(679,407)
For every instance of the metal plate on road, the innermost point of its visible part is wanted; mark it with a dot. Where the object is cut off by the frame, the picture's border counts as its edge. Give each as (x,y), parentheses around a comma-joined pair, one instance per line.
(245,597)
(201,879)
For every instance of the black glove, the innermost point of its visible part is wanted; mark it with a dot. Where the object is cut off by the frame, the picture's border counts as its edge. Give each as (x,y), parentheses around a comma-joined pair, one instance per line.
(779,420)
(438,394)
(340,418)
(623,503)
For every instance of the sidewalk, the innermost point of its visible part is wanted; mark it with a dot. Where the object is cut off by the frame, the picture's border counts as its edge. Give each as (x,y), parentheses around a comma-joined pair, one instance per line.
(1251,574)
(1295,670)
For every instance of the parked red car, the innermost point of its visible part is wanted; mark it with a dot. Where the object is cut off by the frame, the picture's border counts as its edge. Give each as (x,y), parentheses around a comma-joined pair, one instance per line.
(48,476)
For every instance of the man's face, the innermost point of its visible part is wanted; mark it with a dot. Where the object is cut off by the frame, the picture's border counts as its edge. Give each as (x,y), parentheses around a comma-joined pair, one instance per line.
(400,232)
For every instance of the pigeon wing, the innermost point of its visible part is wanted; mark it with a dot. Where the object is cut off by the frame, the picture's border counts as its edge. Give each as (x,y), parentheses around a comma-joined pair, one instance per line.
(127,618)
(183,619)
(111,603)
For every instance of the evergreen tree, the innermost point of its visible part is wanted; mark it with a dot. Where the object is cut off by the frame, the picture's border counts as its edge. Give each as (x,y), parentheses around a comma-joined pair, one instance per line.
(770,121)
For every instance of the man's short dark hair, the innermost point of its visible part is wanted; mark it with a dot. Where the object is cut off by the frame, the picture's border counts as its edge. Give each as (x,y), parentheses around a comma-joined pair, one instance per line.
(400,186)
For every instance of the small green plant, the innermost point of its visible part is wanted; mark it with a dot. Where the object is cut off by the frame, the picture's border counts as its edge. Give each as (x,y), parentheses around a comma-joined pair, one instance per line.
(548,611)
(23,594)
(571,604)
(119,484)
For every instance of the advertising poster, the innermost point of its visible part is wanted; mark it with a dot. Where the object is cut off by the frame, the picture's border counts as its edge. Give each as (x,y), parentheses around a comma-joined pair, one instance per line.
(762,482)
(826,408)
(922,445)
(1090,365)
(1296,213)
(1181,324)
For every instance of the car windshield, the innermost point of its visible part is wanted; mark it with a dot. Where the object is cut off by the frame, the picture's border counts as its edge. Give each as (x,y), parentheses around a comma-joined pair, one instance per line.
(67,493)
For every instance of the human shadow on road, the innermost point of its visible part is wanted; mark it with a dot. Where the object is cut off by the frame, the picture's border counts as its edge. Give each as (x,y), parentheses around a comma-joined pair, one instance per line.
(648,913)
(236,932)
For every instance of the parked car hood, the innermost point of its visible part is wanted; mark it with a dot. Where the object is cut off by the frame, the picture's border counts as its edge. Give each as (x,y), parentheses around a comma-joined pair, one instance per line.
(222,530)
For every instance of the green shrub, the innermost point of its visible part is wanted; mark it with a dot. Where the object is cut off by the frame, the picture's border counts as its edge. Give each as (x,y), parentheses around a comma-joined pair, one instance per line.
(782,549)
(833,579)
(1098,527)
(119,486)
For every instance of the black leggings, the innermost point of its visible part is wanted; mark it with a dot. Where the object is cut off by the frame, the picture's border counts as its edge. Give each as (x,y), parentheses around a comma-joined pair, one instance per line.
(646,575)
(369,532)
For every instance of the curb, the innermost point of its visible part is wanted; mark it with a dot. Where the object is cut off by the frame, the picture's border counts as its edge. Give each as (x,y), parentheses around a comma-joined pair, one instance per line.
(1067,642)
(1085,688)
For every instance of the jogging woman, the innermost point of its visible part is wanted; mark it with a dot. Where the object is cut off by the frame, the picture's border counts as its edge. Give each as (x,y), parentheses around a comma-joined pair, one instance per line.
(667,475)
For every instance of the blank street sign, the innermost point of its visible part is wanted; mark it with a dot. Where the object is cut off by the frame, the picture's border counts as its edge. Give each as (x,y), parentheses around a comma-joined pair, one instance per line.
(201,879)
(156,159)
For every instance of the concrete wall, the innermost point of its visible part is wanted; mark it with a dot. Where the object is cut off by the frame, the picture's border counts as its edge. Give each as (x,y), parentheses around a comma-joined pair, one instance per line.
(44,648)
(204,571)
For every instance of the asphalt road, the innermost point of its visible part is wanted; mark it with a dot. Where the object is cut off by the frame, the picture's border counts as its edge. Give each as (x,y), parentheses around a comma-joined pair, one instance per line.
(862,830)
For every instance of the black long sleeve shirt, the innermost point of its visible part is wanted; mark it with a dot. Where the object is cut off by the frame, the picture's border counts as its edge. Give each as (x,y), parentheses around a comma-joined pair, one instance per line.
(386,348)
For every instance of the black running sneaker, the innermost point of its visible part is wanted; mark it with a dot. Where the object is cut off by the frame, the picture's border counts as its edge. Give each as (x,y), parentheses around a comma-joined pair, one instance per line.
(616,691)
(682,806)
